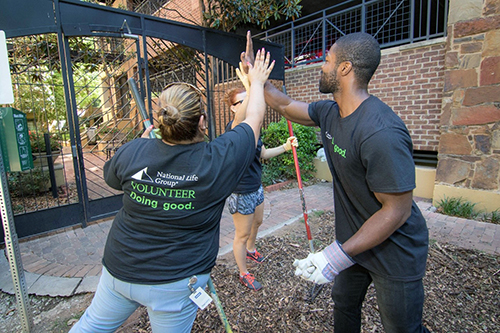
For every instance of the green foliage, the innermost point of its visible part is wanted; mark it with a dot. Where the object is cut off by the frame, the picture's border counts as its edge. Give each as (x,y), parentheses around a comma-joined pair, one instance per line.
(27,183)
(318,213)
(457,207)
(226,15)
(131,135)
(39,88)
(105,130)
(282,167)
(37,142)
(494,217)
(466,209)
(42,52)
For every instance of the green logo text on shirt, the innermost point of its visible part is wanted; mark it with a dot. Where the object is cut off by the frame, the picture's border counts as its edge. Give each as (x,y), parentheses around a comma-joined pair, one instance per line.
(337,149)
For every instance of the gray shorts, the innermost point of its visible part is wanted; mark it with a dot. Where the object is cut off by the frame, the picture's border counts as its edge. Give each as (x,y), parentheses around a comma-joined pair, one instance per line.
(245,204)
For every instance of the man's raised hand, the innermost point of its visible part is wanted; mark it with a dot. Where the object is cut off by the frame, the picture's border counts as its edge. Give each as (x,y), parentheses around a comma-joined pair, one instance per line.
(247,57)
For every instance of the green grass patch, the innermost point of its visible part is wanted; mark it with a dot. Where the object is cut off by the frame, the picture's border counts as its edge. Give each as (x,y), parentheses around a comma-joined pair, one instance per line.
(317,213)
(494,216)
(458,207)
(466,209)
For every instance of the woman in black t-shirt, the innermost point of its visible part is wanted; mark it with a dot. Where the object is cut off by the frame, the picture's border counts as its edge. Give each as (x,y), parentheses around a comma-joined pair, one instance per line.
(164,241)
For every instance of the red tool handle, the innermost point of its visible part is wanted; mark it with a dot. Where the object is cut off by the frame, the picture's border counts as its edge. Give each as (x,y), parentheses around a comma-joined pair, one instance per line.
(301,189)
(295,158)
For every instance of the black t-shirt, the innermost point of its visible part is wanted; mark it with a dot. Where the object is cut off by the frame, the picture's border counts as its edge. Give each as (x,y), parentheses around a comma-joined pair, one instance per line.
(371,151)
(251,180)
(168,228)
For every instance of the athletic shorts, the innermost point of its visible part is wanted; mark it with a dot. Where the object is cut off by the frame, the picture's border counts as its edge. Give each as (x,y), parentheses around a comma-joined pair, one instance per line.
(245,204)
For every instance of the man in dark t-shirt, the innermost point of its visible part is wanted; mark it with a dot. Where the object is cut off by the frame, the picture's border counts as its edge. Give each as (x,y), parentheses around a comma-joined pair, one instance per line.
(381,235)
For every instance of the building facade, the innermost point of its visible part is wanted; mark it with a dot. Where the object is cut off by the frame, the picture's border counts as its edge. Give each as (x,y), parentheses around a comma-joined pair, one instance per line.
(446,90)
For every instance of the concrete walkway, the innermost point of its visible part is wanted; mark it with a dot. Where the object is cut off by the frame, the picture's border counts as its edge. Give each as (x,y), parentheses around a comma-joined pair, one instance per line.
(68,262)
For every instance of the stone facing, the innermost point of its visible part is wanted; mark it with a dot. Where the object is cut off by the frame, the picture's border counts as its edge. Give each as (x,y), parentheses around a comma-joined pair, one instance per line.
(470,123)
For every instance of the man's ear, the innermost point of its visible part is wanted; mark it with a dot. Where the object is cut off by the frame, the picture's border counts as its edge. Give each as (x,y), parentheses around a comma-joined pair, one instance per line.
(345,68)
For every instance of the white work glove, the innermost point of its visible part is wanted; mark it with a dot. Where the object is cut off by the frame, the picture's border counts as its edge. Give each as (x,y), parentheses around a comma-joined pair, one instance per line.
(291,141)
(322,267)
(243,77)
(302,265)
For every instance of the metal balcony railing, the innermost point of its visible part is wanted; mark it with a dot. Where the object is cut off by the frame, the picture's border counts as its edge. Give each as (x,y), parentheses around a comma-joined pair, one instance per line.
(391,22)
(150,7)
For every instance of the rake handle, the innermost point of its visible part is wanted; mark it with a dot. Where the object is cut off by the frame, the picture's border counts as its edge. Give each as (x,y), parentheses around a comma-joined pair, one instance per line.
(218,306)
(301,189)
(140,105)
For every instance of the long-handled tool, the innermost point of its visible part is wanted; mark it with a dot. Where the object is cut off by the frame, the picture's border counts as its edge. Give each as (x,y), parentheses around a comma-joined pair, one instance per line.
(147,123)
(218,305)
(301,189)
(316,289)
(140,105)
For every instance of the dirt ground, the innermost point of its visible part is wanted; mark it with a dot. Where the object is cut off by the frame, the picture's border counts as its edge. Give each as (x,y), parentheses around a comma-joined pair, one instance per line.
(462,293)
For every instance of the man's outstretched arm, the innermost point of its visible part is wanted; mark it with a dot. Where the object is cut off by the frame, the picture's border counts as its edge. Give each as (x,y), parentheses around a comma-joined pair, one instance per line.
(295,111)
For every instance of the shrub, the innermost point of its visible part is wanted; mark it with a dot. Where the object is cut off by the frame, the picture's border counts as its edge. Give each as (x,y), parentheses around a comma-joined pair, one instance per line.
(463,208)
(457,207)
(494,217)
(37,142)
(282,167)
(105,130)
(27,183)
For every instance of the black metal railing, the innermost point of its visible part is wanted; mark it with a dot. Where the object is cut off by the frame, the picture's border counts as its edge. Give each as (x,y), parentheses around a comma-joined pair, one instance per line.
(391,22)
(150,7)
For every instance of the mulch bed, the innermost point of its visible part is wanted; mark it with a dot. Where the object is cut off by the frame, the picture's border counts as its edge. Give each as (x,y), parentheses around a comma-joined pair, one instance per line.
(462,290)
(66,194)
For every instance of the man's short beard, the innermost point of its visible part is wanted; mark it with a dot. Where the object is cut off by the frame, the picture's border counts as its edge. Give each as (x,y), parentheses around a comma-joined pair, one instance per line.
(322,87)
(329,83)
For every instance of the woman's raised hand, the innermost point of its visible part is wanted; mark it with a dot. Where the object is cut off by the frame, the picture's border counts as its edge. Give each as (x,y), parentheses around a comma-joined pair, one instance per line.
(243,77)
(260,70)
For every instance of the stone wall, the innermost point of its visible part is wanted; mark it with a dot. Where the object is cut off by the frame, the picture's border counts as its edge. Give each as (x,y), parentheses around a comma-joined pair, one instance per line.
(409,79)
(469,148)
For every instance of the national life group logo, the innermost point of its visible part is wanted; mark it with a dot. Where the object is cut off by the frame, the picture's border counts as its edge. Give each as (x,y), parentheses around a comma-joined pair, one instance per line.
(143,175)
(161,192)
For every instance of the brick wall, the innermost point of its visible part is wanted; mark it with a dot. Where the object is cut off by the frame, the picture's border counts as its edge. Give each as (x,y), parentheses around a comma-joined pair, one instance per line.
(186,11)
(222,114)
(409,79)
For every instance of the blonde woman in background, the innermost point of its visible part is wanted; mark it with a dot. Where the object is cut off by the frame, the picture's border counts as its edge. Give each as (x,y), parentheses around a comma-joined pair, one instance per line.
(246,203)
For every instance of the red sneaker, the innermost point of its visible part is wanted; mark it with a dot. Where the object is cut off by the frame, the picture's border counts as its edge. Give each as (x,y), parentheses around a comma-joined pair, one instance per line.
(248,280)
(256,256)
